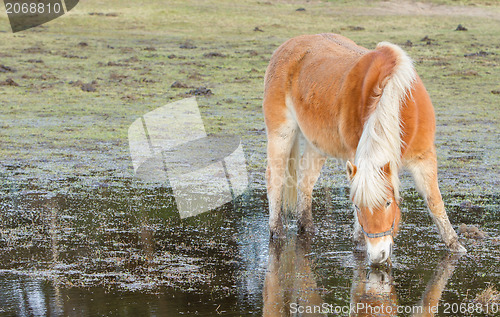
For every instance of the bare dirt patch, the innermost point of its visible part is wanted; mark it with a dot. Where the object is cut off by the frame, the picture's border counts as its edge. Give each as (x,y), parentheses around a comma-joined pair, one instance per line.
(429,9)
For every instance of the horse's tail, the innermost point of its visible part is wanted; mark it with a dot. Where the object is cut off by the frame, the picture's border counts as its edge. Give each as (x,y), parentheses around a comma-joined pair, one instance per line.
(290,185)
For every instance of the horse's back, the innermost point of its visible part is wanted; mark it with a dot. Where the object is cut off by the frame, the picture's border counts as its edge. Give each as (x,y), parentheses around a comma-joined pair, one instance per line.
(302,62)
(327,83)
(297,51)
(301,82)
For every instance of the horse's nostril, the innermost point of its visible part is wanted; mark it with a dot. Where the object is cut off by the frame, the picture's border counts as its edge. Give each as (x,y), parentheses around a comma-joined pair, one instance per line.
(382,254)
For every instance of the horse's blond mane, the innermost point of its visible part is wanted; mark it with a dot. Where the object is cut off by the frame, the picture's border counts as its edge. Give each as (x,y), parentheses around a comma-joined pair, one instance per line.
(380,142)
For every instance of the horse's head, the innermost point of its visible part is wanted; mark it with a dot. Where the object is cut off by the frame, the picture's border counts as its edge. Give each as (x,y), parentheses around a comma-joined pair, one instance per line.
(378,221)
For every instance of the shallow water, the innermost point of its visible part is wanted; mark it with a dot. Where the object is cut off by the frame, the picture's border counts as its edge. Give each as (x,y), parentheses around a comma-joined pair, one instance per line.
(121,249)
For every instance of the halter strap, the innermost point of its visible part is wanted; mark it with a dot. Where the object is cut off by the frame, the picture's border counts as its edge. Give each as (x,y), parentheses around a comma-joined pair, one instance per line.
(378,234)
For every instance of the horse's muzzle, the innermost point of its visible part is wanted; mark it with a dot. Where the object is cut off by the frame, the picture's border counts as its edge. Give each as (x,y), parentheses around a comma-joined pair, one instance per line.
(379,250)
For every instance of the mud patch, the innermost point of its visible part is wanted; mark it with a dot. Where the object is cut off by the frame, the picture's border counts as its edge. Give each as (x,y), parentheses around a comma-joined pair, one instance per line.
(188,45)
(355,28)
(102,14)
(200,91)
(214,54)
(6,69)
(464,73)
(113,64)
(471,232)
(178,84)
(9,82)
(66,55)
(87,87)
(479,54)
(117,76)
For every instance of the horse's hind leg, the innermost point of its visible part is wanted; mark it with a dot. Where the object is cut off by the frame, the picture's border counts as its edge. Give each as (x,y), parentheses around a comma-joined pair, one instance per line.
(424,170)
(279,145)
(310,167)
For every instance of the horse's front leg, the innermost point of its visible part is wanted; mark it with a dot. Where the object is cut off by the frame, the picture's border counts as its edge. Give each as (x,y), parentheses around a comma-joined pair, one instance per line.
(310,167)
(424,170)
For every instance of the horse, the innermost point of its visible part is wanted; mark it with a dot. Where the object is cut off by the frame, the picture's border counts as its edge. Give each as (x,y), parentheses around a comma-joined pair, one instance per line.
(367,107)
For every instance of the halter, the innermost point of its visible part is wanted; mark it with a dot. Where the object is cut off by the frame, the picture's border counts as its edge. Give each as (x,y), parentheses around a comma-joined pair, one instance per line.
(378,234)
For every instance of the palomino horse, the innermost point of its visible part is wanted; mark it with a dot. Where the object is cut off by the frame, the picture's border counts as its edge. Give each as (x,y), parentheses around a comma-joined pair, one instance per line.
(367,107)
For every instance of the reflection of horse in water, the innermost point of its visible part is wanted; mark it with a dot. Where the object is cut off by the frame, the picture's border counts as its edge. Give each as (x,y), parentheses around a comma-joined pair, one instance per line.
(374,293)
(435,287)
(290,283)
(290,288)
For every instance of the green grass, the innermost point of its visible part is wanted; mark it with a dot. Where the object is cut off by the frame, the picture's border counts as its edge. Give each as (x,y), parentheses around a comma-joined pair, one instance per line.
(46,119)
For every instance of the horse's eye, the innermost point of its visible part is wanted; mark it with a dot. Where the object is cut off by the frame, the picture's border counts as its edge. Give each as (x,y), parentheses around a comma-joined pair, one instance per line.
(388,203)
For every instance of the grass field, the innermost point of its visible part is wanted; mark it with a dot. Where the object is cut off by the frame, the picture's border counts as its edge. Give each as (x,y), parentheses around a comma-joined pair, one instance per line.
(132,53)
(70,89)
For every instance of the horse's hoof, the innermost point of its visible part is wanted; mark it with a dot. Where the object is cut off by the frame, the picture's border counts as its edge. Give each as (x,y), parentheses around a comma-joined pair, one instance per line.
(455,246)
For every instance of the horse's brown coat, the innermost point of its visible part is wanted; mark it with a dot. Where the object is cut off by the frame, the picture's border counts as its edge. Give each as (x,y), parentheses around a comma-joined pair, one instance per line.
(325,87)
(329,76)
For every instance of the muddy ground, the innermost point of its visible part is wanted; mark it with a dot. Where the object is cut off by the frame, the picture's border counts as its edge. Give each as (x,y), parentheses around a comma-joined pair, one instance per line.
(80,235)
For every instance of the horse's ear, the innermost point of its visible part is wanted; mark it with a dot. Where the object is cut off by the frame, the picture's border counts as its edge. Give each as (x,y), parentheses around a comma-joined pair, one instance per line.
(351,170)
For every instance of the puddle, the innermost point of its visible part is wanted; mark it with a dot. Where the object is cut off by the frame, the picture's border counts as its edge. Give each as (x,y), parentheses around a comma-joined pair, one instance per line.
(123,250)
